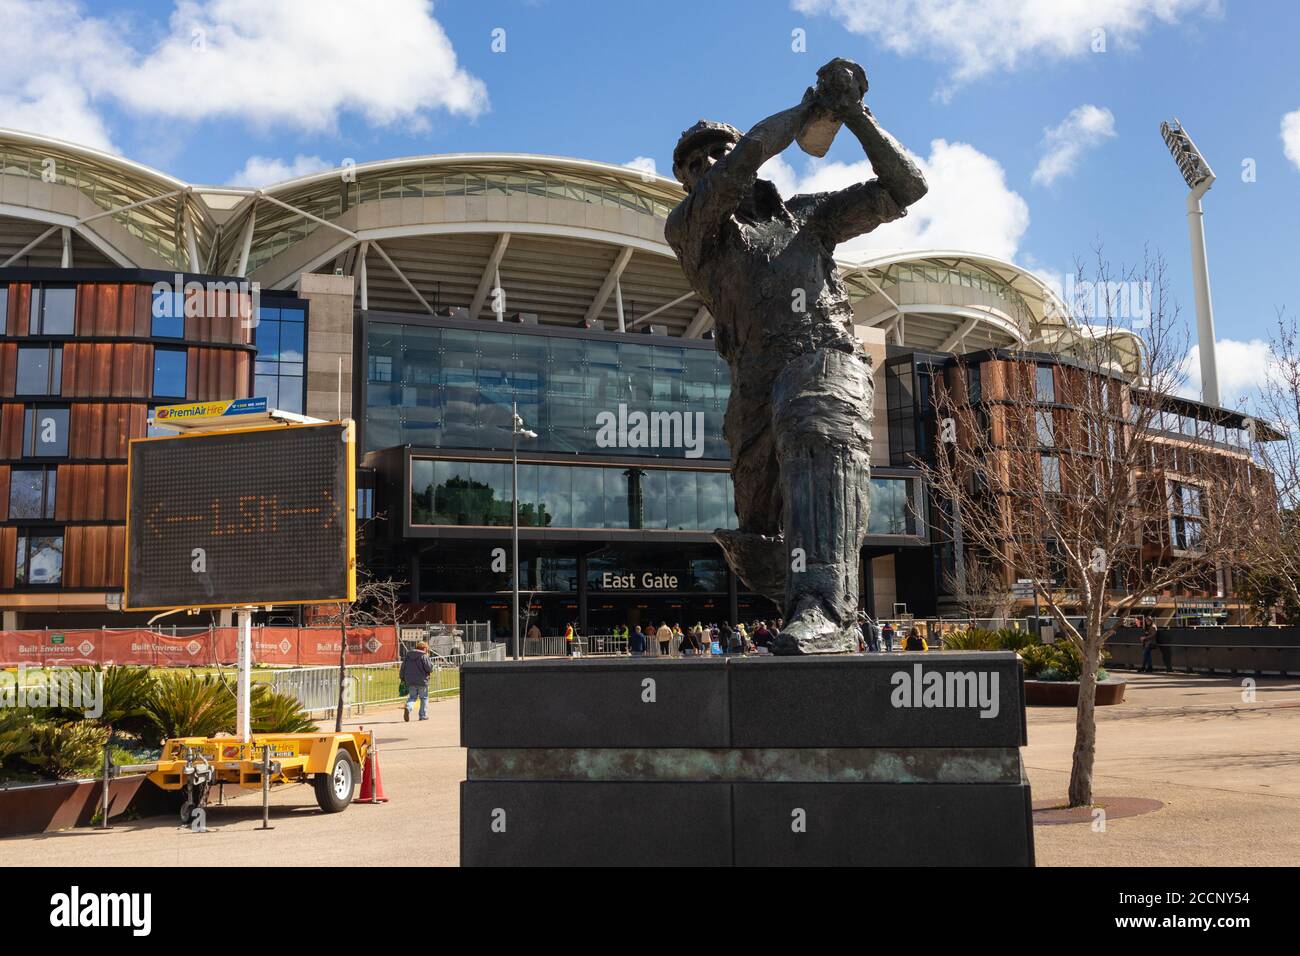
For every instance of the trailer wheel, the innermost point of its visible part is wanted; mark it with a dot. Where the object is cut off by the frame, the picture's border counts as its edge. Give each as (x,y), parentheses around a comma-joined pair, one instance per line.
(334,789)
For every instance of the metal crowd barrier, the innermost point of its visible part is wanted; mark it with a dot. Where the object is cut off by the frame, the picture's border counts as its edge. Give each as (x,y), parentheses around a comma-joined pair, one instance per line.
(589,645)
(317,688)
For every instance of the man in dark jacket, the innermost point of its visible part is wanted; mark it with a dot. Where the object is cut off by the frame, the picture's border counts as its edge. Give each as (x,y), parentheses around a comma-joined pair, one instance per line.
(415,674)
(636,642)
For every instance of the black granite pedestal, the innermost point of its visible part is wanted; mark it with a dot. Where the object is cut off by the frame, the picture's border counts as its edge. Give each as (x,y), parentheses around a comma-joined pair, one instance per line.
(908,759)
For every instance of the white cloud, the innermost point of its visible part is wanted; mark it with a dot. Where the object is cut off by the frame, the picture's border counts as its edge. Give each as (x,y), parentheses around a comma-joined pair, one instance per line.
(1242,367)
(978,37)
(645,165)
(264,170)
(969,205)
(300,64)
(1085,128)
(1291,137)
(42,48)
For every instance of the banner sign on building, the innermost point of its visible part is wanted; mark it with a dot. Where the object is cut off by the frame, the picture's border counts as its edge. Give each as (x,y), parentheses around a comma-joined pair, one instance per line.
(208,410)
(254,516)
(205,648)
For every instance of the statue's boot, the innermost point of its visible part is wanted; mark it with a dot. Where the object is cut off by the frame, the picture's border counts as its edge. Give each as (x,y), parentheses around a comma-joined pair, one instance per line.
(822,405)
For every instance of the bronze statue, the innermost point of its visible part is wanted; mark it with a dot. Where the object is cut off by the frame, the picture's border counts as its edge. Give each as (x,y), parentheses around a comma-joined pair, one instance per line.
(799,419)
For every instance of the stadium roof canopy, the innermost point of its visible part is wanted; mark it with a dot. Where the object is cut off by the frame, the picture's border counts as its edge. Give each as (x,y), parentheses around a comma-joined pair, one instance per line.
(569,241)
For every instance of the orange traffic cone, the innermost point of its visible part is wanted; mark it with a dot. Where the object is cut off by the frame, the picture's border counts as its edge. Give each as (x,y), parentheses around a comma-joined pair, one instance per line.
(372,784)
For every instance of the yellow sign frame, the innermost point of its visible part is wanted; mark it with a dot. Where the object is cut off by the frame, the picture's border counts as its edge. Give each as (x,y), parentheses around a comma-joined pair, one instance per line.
(349,439)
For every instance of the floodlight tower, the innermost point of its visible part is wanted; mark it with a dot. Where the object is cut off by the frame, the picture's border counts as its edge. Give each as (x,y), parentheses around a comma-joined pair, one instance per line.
(1199,178)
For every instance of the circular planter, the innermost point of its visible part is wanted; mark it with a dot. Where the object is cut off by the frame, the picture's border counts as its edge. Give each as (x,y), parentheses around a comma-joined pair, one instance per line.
(1065,693)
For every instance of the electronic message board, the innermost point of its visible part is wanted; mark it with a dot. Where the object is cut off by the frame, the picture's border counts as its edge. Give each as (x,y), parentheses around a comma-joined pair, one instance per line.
(246,517)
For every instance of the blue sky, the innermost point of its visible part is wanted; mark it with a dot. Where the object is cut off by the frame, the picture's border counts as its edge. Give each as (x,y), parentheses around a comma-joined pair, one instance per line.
(221,90)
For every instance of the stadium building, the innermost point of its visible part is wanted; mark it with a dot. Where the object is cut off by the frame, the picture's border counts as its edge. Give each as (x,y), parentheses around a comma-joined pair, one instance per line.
(427,297)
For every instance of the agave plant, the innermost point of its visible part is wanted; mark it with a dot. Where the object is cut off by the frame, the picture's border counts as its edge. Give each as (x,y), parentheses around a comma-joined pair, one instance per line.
(190,705)
(274,713)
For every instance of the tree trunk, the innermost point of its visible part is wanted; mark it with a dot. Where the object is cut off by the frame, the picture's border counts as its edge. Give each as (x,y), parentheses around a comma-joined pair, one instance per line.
(343,668)
(1085,724)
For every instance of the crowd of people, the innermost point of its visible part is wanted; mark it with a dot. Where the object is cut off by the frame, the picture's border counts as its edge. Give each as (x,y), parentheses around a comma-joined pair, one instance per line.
(700,639)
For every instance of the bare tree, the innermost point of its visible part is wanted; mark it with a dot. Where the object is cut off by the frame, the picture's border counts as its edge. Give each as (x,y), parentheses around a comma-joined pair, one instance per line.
(1058,474)
(1274,553)
(378,604)
(981,589)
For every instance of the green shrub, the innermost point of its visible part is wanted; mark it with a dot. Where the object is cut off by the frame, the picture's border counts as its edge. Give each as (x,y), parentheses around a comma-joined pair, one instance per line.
(127,692)
(970,639)
(15,735)
(191,705)
(62,749)
(1015,639)
(278,713)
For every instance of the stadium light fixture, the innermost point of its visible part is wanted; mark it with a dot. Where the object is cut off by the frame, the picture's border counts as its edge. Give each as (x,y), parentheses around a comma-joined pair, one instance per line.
(1198,175)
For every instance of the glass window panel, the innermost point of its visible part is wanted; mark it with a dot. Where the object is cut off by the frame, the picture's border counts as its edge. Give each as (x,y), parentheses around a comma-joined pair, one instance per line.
(654,498)
(292,348)
(420,358)
(616,498)
(555,494)
(58,309)
(168,314)
(269,387)
(45,432)
(27,493)
(699,377)
(422,495)
(606,381)
(43,559)
(491,483)
(1051,473)
(1046,429)
(291,394)
(169,372)
(267,337)
(683,500)
(1044,384)
(39,370)
(4,309)
(637,364)
(588,497)
(669,369)
(712,500)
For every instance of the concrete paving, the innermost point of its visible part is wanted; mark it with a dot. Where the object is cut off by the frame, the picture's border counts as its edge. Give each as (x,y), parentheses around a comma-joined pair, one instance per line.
(1226,769)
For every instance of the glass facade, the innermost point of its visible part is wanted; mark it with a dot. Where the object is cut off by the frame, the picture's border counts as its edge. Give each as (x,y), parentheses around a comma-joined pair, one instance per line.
(453,388)
(570,496)
(281,340)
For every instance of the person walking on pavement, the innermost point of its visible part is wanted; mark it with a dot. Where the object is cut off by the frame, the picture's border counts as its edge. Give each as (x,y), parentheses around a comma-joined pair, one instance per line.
(1148,645)
(665,638)
(415,674)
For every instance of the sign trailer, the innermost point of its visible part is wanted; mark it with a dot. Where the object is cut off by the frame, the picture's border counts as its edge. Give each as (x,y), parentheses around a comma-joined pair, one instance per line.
(245,507)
